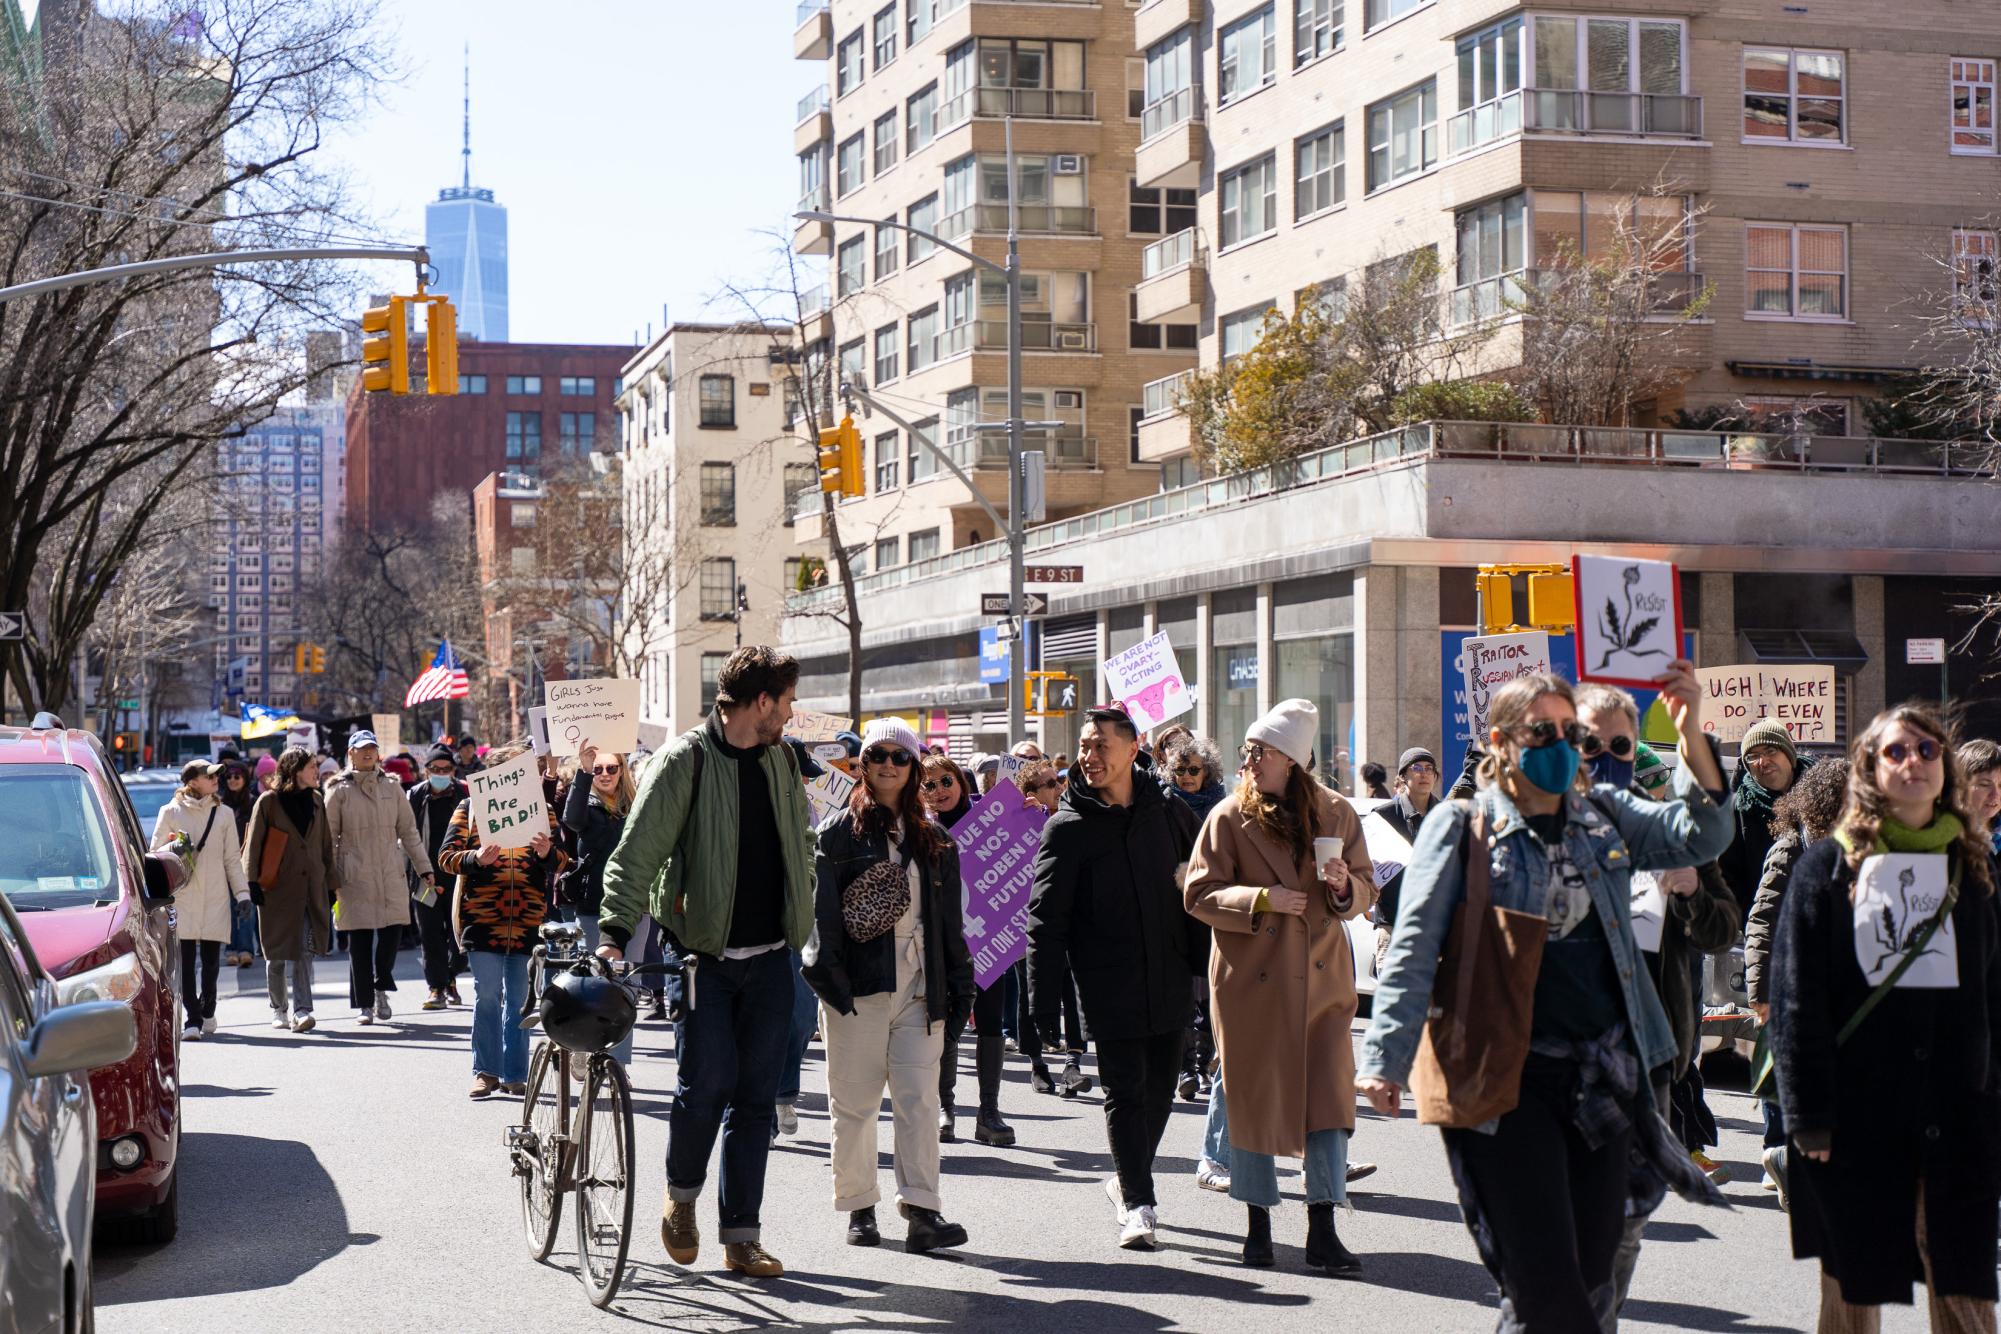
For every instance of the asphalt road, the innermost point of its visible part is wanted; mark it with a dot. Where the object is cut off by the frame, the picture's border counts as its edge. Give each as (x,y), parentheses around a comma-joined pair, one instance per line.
(342,1180)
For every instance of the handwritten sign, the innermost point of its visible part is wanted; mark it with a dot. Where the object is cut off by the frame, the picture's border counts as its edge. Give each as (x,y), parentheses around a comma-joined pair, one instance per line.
(538,730)
(1736,698)
(1649,902)
(829,793)
(1148,682)
(1628,618)
(998,840)
(1488,662)
(808,726)
(388,729)
(508,809)
(602,712)
(1389,850)
(305,735)
(1896,894)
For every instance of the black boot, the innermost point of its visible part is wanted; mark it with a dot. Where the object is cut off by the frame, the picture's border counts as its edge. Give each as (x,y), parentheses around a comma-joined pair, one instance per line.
(929,1231)
(862,1230)
(990,1129)
(989,1056)
(1323,1245)
(1257,1239)
(1038,1077)
(947,1132)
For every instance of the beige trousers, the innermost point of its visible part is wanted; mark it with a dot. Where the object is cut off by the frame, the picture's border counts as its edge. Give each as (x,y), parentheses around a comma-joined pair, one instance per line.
(1949,1315)
(884,1041)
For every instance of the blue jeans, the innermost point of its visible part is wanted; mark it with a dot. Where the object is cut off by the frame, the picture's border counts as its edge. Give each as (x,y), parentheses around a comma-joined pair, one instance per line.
(1216,1132)
(730,1049)
(1254,1176)
(805,1013)
(500,984)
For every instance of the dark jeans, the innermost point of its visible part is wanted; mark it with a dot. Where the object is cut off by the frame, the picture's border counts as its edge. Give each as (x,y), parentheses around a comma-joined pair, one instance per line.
(1138,1075)
(442,959)
(371,958)
(988,1004)
(730,1052)
(1775,1122)
(805,1015)
(1012,985)
(199,1000)
(1030,1040)
(1555,1207)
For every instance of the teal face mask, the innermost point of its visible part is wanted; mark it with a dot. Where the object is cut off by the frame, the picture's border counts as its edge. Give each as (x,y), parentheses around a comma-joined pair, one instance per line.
(1551,768)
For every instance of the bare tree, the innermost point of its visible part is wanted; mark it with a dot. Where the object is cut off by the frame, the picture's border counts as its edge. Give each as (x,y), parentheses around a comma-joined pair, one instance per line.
(1955,324)
(151,616)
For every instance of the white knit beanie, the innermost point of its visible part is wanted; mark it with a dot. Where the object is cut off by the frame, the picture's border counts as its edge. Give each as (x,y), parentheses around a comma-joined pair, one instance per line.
(891,732)
(1289,729)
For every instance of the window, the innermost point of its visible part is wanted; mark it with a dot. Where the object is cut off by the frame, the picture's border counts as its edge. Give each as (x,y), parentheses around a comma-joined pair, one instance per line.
(854,363)
(801,479)
(718,589)
(1133,418)
(850,166)
(524,437)
(924,545)
(1246,56)
(883,29)
(712,678)
(1973,88)
(920,119)
(1240,330)
(1319,178)
(922,462)
(888,461)
(1795,272)
(813,177)
(1135,87)
(923,341)
(1492,245)
(577,386)
(887,252)
(848,64)
(1594,224)
(955,90)
(888,552)
(886,354)
(524,384)
(1403,135)
(1973,275)
(1159,212)
(1249,201)
(472,384)
(922,14)
(795,571)
(851,266)
(885,142)
(957,196)
(1154,337)
(1316,29)
(1170,84)
(1380,12)
(922,217)
(1793,96)
(1490,81)
(717,396)
(718,495)
(577,432)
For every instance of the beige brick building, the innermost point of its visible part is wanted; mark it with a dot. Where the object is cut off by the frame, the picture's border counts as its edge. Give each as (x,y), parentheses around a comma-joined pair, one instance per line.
(909,124)
(1824,157)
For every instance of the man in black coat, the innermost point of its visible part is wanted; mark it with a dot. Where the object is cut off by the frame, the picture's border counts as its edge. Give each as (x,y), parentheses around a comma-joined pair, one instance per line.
(1418,770)
(1107,901)
(437,794)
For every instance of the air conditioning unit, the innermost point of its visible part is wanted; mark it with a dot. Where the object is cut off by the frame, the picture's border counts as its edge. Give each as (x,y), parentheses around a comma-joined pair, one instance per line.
(1070,398)
(1073,341)
(1067,164)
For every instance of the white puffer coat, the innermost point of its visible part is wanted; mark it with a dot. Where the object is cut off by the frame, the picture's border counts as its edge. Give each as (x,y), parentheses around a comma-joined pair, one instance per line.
(202,905)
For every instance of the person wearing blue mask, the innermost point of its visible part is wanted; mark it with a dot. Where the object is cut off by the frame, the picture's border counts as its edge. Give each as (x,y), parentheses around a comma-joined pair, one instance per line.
(1539,1063)
(432,802)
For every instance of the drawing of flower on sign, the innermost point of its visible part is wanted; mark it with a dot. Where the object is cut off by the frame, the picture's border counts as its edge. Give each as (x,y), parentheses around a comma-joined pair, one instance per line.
(1628,618)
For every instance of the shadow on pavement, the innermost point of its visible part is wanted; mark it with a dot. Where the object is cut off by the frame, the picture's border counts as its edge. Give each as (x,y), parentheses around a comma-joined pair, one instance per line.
(224,1248)
(1679,1315)
(217,1091)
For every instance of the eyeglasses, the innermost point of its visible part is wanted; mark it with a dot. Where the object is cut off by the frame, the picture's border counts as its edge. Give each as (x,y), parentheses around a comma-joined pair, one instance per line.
(604,769)
(1188,770)
(899,757)
(1595,745)
(1897,751)
(1422,767)
(1534,736)
(445,772)
(1253,753)
(933,784)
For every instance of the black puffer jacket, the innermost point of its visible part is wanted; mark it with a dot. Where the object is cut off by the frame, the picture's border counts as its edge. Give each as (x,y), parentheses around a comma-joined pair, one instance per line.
(433,813)
(594,833)
(1108,901)
(838,969)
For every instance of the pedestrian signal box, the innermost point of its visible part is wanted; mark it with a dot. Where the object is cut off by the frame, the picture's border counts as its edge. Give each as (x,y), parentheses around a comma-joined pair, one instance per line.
(1049,694)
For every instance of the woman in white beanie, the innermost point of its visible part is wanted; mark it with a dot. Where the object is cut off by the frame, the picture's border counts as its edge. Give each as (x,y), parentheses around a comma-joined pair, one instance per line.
(888,960)
(1268,881)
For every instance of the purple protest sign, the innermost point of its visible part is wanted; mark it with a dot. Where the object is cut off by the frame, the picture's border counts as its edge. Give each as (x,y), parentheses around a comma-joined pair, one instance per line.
(998,840)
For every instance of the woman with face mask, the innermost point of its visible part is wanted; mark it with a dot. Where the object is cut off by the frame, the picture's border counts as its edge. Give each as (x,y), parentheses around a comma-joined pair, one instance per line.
(432,801)
(1547,1169)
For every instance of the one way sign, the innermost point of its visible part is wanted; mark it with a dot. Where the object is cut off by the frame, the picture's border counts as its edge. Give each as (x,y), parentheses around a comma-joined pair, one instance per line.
(13,625)
(995,604)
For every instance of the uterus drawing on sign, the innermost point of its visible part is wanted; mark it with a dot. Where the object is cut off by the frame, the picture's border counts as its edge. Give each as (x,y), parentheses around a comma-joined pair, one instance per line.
(1149,706)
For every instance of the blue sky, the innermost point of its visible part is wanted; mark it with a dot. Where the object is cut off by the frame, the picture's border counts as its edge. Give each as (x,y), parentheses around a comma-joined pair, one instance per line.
(639,145)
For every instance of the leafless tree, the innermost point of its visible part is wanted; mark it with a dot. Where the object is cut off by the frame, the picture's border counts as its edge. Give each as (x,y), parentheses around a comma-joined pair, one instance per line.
(146,623)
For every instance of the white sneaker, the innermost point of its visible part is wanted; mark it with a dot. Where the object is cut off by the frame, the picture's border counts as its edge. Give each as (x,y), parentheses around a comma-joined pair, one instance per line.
(364,1016)
(1211,1177)
(1137,1234)
(1118,1199)
(208,1025)
(382,1007)
(280,1021)
(304,1023)
(192,1032)
(788,1119)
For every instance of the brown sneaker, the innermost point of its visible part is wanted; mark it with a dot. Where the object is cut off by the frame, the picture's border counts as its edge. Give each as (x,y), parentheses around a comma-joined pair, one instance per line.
(483,1086)
(750,1259)
(679,1233)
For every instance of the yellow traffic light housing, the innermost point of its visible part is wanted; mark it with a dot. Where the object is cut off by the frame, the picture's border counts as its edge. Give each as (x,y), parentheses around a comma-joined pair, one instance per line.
(1550,606)
(1497,599)
(299,652)
(840,459)
(1037,688)
(386,356)
(316,660)
(441,346)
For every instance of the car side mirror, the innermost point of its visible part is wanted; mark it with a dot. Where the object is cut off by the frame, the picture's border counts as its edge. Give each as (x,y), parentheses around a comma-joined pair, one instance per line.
(160,881)
(80,1037)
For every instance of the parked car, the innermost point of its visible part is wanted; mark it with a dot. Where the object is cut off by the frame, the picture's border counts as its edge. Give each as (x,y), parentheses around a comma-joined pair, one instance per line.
(150,789)
(99,915)
(48,1137)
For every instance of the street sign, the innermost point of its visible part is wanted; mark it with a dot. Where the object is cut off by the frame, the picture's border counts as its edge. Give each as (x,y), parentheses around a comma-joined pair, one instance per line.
(13,625)
(1054,574)
(1924,652)
(128,704)
(995,604)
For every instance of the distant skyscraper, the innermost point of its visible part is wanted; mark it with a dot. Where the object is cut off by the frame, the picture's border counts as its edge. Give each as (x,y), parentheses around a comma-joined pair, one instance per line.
(467,236)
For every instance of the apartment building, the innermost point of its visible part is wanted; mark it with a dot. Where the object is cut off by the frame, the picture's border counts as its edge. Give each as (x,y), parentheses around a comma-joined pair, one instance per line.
(1821,166)
(909,124)
(712,472)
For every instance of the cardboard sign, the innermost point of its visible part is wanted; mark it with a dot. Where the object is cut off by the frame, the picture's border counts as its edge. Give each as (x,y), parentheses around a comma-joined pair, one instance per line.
(829,793)
(1488,662)
(603,712)
(1896,893)
(1147,681)
(1801,697)
(388,729)
(1649,911)
(1009,767)
(1628,618)
(1388,849)
(538,730)
(305,735)
(998,840)
(805,726)
(508,809)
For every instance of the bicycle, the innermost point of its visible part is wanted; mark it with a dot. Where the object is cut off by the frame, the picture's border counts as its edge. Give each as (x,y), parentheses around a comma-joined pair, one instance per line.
(590,1156)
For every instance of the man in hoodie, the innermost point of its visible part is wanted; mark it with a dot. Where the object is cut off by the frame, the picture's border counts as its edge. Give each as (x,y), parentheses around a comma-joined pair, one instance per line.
(432,802)
(1107,908)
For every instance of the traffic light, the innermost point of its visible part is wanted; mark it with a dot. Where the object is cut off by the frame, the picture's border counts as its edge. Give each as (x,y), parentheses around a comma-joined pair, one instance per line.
(441,347)
(300,658)
(1049,694)
(841,459)
(1552,605)
(308,659)
(316,660)
(1497,600)
(386,358)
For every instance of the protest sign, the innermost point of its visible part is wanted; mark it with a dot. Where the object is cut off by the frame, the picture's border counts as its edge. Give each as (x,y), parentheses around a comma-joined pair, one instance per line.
(805,726)
(304,735)
(1649,904)
(829,793)
(1389,850)
(1488,662)
(604,713)
(1896,895)
(1010,765)
(538,729)
(1147,681)
(1736,698)
(998,840)
(1628,618)
(388,729)
(508,809)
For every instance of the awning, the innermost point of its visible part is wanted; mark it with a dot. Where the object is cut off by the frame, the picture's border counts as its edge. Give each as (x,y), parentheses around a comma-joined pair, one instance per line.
(1805,368)
(1838,649)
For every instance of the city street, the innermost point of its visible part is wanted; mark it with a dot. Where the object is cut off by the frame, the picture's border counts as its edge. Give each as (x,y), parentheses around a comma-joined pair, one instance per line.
(342,1180)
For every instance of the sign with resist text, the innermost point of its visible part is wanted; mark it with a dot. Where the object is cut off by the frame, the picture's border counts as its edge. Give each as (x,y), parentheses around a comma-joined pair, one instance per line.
(998,840)
(1488,662)
(508,809)
(1628,618)
(604,713)
(1736,698)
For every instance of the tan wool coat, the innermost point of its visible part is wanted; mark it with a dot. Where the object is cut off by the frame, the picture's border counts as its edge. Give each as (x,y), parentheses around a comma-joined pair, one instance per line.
(296,915)
(1281,988)
(374,834)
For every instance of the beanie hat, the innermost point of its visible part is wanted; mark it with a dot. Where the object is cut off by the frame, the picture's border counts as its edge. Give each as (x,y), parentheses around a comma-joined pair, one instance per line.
(1650,771)
(1289,729)
(440,752)
(1413,755)
(891,732)
(1770,732)
(266,766)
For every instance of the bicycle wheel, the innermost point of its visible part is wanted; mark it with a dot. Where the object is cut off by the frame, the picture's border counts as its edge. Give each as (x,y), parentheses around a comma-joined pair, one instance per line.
(538,1147)
(604,1180)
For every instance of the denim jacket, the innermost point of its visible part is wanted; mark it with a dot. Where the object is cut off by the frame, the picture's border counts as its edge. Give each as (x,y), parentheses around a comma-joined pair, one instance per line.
(1640,835)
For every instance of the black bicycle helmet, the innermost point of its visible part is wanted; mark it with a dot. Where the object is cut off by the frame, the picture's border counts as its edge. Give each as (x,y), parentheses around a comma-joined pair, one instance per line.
(584,1013)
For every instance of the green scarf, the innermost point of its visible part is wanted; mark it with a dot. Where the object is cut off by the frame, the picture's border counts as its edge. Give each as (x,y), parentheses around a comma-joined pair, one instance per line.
(1752,799)
(1893,836)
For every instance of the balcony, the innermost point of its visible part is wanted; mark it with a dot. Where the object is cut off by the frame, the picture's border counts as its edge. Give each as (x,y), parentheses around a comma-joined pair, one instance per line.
(1157,19)
(1174,280)
(1669,293)
(1172,142)
(1575,111)
(1021,103)
(813,33)
(1035,219)
(813,238)
(986,451)
(816,121)
(1162,397)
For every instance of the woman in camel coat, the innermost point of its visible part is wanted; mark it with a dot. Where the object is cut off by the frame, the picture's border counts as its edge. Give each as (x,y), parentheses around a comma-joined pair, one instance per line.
(293,907)
(1281,976)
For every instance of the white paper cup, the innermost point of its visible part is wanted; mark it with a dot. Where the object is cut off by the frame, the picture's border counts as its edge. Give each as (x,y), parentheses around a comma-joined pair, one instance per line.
(1325,850)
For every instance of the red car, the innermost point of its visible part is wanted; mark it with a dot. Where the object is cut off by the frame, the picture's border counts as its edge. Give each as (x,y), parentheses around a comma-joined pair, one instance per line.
(99,914)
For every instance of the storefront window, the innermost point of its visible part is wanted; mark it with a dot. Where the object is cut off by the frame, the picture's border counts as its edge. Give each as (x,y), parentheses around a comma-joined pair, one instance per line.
(1233,694)
(1323,670)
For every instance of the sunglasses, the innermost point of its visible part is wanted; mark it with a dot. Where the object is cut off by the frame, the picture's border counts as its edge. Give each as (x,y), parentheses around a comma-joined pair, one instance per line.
(1594,745)
(899,757)
(1897,751)
(1534,736)
(1042,786)
(933,784)
(602,769)
(1253,753)
(1188,770)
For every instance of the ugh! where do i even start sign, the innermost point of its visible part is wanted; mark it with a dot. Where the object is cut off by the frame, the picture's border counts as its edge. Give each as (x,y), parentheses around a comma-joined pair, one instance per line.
(1736,698)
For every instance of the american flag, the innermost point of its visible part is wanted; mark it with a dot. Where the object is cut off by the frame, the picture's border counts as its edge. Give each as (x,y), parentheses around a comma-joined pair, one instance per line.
(445,678)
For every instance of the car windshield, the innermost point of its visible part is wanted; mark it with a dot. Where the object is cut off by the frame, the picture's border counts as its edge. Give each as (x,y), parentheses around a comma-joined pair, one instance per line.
(147,799)
(55,851)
